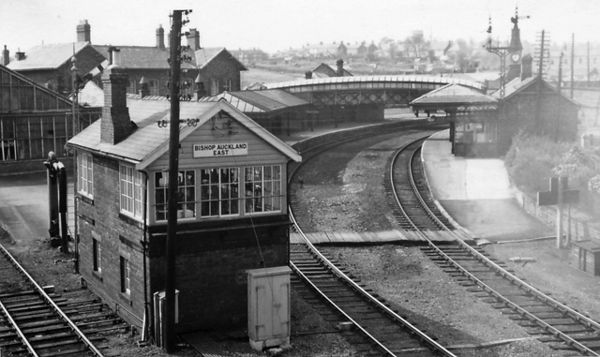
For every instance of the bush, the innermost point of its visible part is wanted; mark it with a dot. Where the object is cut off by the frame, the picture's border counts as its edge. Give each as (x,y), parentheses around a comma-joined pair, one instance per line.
(531,159)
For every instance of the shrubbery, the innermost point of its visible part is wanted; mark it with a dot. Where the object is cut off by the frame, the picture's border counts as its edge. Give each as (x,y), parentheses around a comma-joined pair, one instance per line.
(532,160)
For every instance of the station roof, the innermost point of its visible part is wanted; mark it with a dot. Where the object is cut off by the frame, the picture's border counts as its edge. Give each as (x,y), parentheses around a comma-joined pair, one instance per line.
(453,94)
(148,142)
(260,101)
(367,80)
(518,85)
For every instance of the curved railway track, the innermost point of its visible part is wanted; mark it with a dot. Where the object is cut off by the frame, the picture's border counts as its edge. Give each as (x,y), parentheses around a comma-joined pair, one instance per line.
(36,323)
(383,331)
(562,326)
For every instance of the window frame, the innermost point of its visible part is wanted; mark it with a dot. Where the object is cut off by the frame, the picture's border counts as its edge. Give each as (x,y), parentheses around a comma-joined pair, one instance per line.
(135,183)
(97,256)
(85,175)
(219,184)
(125,275)
(165,190)
(262,196)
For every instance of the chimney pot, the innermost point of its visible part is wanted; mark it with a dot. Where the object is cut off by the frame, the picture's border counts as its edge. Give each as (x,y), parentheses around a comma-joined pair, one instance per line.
(5,56)
(526,66)
(340,68)
(194,39)
(160,37)
(83,31)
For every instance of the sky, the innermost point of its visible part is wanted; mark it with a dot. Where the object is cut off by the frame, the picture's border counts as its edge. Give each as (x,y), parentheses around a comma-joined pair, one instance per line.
(280,24)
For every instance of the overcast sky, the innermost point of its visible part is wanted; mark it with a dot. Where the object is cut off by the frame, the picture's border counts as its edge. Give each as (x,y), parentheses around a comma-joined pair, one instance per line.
(280,24)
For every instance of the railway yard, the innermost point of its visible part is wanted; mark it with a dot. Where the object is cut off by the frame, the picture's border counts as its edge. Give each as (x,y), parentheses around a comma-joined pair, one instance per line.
(406,297)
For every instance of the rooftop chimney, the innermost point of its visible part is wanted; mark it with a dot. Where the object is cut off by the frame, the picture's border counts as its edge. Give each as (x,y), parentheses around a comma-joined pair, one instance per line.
(83,32)
(114,56)
(340,68)
(19,56)
(115,124)
(194,39)
(308,75)
(5,56)
(160,37)
(526,66)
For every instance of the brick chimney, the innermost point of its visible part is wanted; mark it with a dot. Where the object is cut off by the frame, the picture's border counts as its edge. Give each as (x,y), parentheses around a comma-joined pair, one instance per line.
(5,56)
(19,56)
(340,68)
(308,75)
(194,39)
(526,66)
(83,32)
(115,124)
(160,37)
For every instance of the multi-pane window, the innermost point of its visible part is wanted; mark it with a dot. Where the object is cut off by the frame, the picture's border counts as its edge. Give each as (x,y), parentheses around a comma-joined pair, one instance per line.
(125,276)
(85,174)
(219,192)
(186,194)
(263,188)
(131,185)
(96,256)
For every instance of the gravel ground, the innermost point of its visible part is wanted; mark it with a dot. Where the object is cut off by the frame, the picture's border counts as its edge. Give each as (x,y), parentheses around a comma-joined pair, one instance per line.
(343,191)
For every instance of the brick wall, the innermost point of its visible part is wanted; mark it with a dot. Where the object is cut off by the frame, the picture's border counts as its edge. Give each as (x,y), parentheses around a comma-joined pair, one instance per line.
(211,266)
(100,218)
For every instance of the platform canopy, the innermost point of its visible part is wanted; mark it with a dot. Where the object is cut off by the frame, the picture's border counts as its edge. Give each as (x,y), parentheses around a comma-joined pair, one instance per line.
(454,98)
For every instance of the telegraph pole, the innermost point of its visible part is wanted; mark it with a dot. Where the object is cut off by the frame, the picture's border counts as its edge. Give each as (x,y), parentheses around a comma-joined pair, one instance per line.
(169,321)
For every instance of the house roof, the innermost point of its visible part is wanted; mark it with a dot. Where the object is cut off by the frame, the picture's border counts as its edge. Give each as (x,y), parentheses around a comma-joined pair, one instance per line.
(259,101)
(148,142)
(48,56)
(144,57)
(329,70)
(454,94)
(205,55)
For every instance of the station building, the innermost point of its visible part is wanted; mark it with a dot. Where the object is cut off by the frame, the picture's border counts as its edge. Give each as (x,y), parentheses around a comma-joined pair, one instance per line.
(276,110)
(483,125)
(232,206)
(33,121)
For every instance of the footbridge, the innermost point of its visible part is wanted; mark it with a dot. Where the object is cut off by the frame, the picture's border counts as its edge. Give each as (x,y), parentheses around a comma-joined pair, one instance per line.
(383,90)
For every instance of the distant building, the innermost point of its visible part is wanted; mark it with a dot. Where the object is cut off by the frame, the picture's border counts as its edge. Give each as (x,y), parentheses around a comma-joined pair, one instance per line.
(50,65)
(33,121)
(207,69)
(326,70)
(218,71)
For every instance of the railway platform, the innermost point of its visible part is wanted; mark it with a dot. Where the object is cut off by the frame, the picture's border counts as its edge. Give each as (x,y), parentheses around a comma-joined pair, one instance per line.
(476,194)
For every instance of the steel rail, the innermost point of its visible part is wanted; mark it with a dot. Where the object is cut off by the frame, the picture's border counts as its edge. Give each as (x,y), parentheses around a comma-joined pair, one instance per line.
(567,339)
(424,337)
(372,338)
(18,330)
(55,307)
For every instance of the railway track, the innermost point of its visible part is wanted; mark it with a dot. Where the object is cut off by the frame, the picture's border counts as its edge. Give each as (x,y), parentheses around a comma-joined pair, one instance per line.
(37,322)
(560,325)
(376,328)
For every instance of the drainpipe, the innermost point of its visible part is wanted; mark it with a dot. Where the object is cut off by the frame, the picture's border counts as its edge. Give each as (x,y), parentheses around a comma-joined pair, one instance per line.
(147,314)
